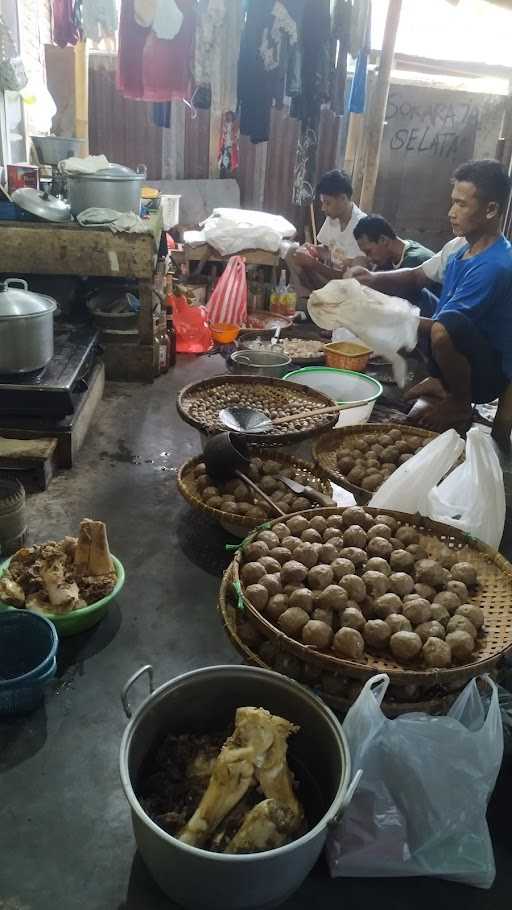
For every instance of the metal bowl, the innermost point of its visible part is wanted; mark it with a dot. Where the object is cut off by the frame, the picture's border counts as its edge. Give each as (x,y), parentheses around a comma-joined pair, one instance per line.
(260,363)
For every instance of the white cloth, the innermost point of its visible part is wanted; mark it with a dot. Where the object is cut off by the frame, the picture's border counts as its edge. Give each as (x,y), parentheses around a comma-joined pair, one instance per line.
(168,19)
(99,18)
(342,243)
(88,165)
(118,222)
(230,231)
(144,12)
(435,267)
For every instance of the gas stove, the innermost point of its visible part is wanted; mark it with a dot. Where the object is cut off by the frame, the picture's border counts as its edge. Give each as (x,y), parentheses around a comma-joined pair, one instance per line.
(56,390)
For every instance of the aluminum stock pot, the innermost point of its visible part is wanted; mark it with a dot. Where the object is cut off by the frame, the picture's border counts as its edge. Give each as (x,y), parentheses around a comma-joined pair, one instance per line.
(205,700)
(114,187)
(26,328)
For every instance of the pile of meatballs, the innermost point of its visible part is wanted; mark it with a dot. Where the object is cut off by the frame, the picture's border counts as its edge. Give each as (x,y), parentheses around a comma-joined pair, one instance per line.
(353,584)
(368,460)
(236,498)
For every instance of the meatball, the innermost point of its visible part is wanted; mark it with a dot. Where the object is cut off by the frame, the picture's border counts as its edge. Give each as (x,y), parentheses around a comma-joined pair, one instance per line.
(257,595)
(293,572)
(349,643)
(401,561)
(448,600)
(390,454)
(335,521)
(272,583)
(253,551)
(317,635)
(460,623)
(376,633)
(341,567)
(418,611)
(473,613)
(387,604)
(306,554)
(292,621)
(429,572)
(318,523)
(354,586)
(405,646)
(281,530)
(251,573)
(297,524)
(377,564)
(437,653)
(290,543)
(352,619)
(417,551)
(387,520)
(270,565)
(440,614)
(355,515)
(425,591)
(400,583)
(460,589)
(355,536)
(430,629)
(303,598)
(372,482)
(376,583)
(327,553)
(407,535)
(379,546)
(466,573)
(325,616)
(311,536)
(276,607)
(447,557)
(355,555)
(461,644)
(319,577)
(281,554)
(333,598)
(271,539)
(398,623)
(379,530)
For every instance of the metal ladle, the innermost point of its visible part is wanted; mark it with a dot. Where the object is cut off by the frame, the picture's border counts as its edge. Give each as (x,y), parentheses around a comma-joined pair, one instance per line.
(224,457)
(251,420)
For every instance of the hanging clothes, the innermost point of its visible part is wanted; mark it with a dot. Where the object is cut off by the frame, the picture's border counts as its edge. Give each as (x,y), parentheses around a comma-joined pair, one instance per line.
(167,65)
(66,28)
(144,12)
(161,114)
(228,153)
(272,28)
(132,39)
(317,63)
(99,19)
(357,99)
(168,19)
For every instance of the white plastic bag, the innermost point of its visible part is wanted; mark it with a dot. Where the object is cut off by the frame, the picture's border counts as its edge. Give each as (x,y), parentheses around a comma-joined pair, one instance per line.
(230,231)
(408,488)
(421,804)
(472,497)
(386,324)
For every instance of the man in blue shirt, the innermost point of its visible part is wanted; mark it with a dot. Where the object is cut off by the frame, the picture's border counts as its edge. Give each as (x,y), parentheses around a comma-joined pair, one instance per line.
(467,332)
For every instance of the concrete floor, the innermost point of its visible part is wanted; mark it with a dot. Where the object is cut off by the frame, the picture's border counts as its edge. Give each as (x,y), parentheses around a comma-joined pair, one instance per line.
(65,832)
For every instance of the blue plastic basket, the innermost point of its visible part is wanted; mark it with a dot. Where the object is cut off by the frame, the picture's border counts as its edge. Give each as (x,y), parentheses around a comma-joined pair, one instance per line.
(28,645)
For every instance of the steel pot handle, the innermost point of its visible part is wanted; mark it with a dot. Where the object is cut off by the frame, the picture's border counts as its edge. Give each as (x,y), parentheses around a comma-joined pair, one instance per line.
(351,789)
(12,282)
(127,686)
(142,170)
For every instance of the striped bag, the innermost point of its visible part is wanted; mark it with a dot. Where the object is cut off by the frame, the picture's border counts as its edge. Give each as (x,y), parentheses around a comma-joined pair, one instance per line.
(228,302)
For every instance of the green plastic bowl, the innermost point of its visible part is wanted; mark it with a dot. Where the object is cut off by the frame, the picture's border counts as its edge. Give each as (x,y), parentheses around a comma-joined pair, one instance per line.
(84,618)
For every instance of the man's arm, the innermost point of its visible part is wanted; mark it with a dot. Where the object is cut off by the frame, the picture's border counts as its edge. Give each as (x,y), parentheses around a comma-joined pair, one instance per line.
(401,283)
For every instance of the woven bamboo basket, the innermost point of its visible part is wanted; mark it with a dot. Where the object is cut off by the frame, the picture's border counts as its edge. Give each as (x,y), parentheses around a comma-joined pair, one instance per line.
(327,446)
(310,400)
(338,691)
(238,524)
(494,596)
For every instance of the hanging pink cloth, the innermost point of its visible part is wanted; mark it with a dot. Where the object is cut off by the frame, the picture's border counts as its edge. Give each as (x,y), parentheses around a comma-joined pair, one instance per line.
(132,38)
(167,65)
(65,24)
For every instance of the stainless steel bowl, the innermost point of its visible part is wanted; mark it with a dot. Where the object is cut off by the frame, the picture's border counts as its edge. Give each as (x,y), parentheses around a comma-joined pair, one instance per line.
(260,363)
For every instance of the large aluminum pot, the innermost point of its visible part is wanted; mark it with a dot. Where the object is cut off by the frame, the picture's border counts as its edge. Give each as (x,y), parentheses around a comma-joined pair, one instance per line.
(207,699)
(26,328)
(114,187)
(260,363)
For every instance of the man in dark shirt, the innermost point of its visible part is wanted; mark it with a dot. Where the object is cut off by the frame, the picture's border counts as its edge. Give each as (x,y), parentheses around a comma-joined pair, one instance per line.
(385,250)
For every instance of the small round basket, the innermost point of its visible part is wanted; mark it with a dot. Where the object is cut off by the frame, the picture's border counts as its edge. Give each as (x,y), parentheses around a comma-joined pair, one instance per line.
(78,620)
(347,355)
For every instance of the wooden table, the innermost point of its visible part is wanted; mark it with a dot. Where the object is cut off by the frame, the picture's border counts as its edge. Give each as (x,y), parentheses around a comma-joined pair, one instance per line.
(40,248)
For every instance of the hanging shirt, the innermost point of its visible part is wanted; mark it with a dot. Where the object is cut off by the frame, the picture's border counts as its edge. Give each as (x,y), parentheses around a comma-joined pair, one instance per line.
(342,243)
(65,28)
(167,65)
(481,289)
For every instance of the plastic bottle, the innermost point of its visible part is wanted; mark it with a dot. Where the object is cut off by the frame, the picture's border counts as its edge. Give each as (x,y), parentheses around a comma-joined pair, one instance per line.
(279,295)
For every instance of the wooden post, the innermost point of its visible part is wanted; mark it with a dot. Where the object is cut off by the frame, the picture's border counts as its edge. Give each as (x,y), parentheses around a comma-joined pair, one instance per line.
(82,93)
(378,108)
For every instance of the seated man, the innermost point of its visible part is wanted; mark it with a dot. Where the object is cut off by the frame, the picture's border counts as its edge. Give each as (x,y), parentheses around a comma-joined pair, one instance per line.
(468,332)
(385,250)
(313,266)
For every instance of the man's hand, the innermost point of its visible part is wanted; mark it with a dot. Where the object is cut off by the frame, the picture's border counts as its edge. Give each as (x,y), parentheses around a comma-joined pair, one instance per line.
(364,276)
(304,260)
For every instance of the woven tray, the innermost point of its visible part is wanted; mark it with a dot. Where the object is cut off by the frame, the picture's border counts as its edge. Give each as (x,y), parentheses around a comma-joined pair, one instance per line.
(328,445)
(232,617)
(494,596)
(310,399)
(238,524)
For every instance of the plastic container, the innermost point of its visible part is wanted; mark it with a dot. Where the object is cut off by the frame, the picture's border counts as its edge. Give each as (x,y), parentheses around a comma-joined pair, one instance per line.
(347,355)
(224,332)
(355,392)
(28,645)
(79,620)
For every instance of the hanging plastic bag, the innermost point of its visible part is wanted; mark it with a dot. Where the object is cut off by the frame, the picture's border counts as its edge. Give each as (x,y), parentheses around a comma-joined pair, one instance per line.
(228,302)
(192,333)
(408,487)
(420,808)
(472,497)
(386,324)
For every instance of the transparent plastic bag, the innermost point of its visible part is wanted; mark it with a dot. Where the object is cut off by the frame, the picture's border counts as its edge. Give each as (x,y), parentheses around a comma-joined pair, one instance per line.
(420,808)
(408,488)
(472,497)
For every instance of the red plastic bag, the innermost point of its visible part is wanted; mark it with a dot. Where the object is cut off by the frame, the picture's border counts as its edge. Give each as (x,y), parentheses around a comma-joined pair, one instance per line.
(228,302)
(192,333)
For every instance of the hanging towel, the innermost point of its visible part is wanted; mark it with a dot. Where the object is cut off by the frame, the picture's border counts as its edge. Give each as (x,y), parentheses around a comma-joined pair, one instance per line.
(99,18)
(168,19)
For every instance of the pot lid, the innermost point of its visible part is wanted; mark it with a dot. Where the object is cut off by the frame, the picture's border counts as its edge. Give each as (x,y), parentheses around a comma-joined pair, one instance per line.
(42,204)
(19,301)
(115,172)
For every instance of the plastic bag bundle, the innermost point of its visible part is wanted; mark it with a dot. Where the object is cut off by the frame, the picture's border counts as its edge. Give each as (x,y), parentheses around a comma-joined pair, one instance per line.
(420,808)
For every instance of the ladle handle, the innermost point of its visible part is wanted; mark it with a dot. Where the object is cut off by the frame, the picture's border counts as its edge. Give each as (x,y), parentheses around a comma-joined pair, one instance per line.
(313,495)
(254,486)
(290,417)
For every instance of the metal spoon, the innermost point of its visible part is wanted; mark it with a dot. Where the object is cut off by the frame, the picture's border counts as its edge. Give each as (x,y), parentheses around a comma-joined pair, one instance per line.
(251,420)
(224,457)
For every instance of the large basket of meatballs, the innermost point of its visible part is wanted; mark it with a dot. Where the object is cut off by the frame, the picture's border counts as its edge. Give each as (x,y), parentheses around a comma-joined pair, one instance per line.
(359,592)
